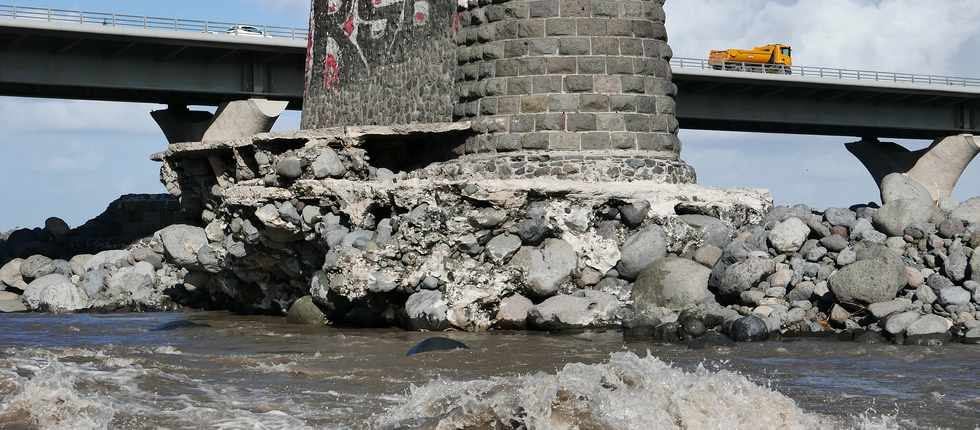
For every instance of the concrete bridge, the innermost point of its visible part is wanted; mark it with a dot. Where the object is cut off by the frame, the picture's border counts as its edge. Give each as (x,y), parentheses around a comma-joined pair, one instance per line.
(97,56)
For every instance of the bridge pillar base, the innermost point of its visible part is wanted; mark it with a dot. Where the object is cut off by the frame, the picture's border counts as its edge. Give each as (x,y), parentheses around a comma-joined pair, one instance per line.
(232,120)
(937,167)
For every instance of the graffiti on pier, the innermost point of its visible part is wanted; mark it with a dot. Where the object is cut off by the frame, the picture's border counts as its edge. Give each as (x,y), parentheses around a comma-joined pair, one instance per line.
(358,35)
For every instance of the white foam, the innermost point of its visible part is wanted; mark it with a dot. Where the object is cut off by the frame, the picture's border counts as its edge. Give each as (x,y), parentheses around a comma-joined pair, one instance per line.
(628,392)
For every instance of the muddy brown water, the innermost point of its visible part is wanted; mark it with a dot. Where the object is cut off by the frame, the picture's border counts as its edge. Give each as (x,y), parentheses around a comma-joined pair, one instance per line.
(246,372)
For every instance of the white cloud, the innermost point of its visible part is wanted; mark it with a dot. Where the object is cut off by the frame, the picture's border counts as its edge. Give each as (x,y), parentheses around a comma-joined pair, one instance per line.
(912,36)
(24,115)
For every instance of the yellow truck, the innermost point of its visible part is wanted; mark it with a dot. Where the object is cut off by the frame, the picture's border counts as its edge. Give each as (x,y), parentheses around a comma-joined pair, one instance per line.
(774,58)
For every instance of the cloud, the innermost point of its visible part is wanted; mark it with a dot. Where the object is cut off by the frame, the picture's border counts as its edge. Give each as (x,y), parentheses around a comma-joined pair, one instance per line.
(25,115)
(912,36)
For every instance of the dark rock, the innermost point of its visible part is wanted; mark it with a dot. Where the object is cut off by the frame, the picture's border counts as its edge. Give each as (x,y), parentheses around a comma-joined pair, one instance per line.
(634,214)
(748,329)
(434,344)
(178,325)
(305,311)
(289,167)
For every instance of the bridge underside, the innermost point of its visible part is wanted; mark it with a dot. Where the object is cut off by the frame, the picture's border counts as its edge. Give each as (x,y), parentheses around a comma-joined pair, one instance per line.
(741,102)
(67,64)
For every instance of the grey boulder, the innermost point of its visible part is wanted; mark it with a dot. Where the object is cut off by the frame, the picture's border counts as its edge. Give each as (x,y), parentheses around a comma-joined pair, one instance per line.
(789,235)
(427,310)
(872,280)
(671,282)
(10,275)
(546,269)
(305,311)
(968,211)
(744,275)
(641,250)
(586,309)
(503,246)
(894,217)
(928,324)
(328,165)
(54,293)
(513,312)
(716,232)
(36,266)
(898,186)
(181,243)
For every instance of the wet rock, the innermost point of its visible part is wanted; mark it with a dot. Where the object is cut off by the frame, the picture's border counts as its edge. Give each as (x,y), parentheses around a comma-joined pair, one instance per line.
(927,325)
(894,217)
(434,344)
(9,306)
(513,312)
(748,329)
(898,186)
(181,243)
(897,323)
(36,266)
(305,311)
(546,269)
(502,247)
(289,167)
(328,165)
(587,309)
(641,250)
(870,281)
(54,293)
(634,214)
(426,310)
(671,282)
(745,275)
(789,235)
(10,275)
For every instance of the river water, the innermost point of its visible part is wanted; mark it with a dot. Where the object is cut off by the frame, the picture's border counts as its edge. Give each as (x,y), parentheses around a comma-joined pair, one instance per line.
(238,372)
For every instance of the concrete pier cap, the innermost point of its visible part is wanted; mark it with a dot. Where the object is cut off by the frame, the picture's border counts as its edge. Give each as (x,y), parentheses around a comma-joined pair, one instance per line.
(571,80)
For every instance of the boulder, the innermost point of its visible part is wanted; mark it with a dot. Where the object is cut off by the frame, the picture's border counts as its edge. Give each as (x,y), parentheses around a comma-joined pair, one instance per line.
(305,311)
(840,217)
(130,287)
(748,329)
(328,165)
(513,312)
(181,243)
(834,243)
(897,323)
(954,296)
(36,266)
(671,282)
(115,258)
(744,275)
(79,262)
(968,211)
(956,264)
(716,232)
(634,214)
(872,280)
(975,265)
(789,235)
(503,246)
(57,227)
(10,275)
(488,217)
(546,269)
(641,250)
(894,217)
(926,295)
(708,255)
(883,309)
(54,293)
(427,310)
(586,309)
(928,324)
(951,227)
(12,306)
(898,186)
(289,167)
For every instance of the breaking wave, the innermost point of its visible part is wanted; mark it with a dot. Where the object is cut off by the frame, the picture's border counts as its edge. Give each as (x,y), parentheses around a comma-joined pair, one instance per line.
(628,392)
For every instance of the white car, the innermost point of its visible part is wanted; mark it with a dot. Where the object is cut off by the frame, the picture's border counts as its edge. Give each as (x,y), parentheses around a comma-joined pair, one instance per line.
(245,30)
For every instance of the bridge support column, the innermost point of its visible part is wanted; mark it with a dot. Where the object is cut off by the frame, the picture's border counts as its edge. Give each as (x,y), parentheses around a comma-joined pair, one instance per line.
(232,120)
(937,167)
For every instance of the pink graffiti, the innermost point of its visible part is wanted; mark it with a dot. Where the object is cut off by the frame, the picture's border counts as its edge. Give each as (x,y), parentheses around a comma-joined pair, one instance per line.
(331,72)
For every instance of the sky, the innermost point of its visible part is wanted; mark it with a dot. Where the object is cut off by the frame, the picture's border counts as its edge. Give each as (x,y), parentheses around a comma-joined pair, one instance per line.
(71,158)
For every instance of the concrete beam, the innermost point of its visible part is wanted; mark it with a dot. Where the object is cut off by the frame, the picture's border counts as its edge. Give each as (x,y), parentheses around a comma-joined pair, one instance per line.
(232,120)
(937,167)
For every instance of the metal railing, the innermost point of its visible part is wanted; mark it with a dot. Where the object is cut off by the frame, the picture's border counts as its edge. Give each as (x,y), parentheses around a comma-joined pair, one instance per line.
(827,73)
(145,22)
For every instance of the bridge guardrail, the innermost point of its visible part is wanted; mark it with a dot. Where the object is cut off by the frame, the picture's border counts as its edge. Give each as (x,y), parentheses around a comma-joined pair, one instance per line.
(144,22)
(827,72)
